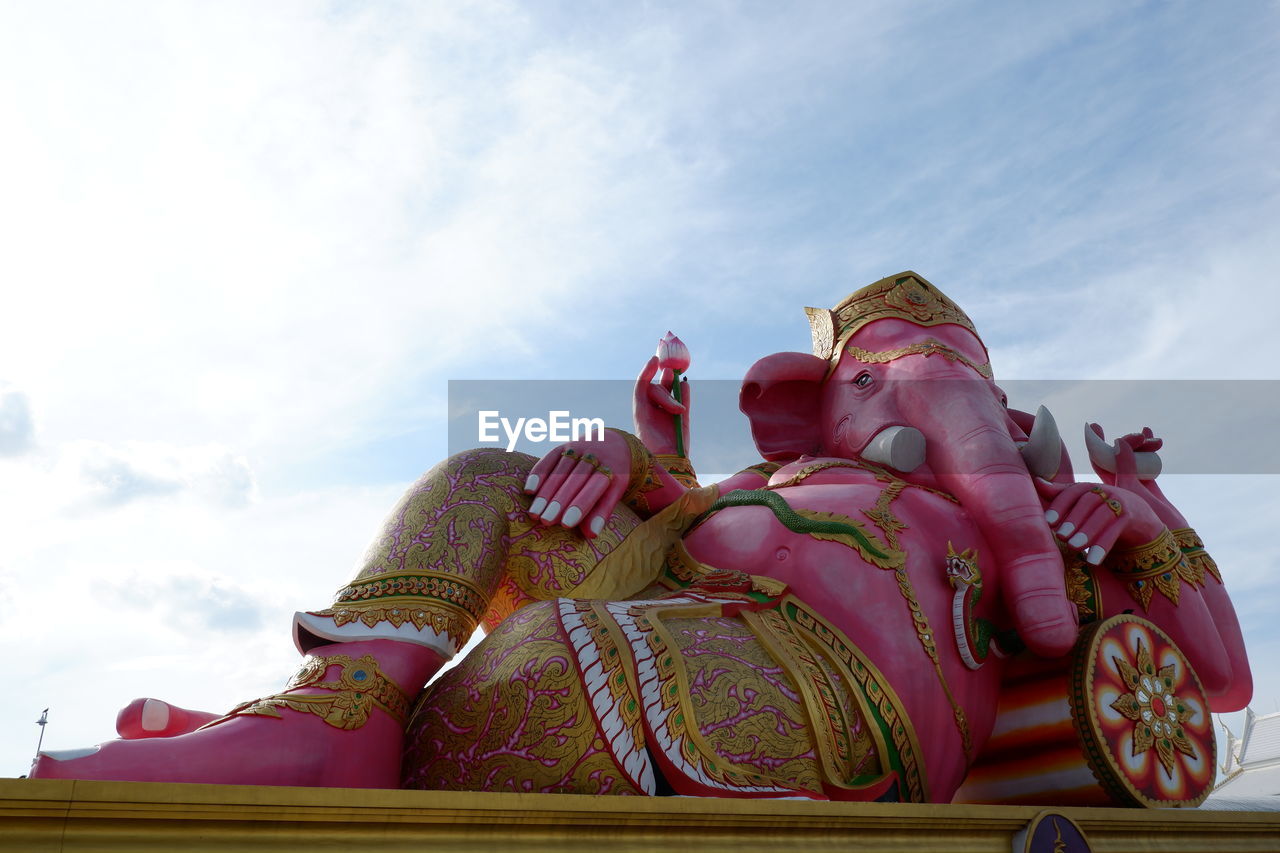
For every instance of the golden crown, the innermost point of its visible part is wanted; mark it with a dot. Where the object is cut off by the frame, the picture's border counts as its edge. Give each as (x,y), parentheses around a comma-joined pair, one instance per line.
(907,296)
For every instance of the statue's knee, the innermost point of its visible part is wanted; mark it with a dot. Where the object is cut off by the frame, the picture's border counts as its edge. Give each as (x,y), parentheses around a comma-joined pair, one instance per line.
(487,461)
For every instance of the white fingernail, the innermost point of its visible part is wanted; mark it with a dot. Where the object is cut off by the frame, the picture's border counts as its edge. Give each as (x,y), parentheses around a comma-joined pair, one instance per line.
(553,509)
(155,715)
(69,754)
(1078,540)
(571,517)
(597,524)
(1066,528)
(1050,516)
(531,483)
(537,505)
(1095,555)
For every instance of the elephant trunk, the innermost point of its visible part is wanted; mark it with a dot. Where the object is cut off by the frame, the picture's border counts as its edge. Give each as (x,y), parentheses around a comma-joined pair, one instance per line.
(980,464)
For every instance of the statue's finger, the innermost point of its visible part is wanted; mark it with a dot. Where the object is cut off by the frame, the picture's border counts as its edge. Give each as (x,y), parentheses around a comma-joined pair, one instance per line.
(573,482)
(1061,505)
(1126,464)
(551,485)
(1086,499)
(662,398)
(1102,521)
(1143,442)
(598,515)
(540,471)
(582,503)
(1104,540)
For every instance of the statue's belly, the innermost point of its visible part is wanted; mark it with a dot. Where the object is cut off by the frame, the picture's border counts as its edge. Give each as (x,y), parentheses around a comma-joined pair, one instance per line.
(898,611)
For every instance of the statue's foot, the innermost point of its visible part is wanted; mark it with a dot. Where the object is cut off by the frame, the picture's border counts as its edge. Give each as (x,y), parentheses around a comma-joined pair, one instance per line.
(143,718)
(341,724)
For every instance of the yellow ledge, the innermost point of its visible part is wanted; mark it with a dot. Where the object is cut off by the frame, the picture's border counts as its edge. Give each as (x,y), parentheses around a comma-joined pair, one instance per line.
(38,815)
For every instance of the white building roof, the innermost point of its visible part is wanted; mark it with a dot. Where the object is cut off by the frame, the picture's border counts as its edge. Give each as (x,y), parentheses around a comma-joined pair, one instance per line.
(1252,767)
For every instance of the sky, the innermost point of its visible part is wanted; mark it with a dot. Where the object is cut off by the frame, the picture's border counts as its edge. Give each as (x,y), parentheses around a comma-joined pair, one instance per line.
(245,246)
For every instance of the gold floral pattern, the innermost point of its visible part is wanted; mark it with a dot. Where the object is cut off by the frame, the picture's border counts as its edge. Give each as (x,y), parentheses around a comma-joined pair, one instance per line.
(1158,565)
(1198,560)
(1082,589)
(907,296)
(1157,714)
(360,688)
(680,468)
(525,714)
(460,546)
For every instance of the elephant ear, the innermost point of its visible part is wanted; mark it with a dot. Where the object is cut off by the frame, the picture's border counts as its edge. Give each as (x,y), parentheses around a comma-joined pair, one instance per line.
(782,397)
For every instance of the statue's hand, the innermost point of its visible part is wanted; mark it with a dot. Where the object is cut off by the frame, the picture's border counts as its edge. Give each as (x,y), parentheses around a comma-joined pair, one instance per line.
(1133,457)
(1094,519)
(654,409)
(579,484)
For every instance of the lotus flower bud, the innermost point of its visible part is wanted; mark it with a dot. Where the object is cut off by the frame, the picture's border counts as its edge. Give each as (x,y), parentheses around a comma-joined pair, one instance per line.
(673,354)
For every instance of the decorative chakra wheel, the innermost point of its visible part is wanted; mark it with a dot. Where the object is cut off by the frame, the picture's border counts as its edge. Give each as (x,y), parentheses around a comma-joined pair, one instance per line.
(1141,715)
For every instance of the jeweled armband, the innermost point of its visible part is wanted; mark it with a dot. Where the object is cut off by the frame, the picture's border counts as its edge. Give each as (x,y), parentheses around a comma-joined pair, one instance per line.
(361,686)
(644,475)
(1157,565)
(679,467)
(1198,560)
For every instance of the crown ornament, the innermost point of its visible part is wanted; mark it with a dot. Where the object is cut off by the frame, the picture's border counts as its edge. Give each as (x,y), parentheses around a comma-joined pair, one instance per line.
(906,296)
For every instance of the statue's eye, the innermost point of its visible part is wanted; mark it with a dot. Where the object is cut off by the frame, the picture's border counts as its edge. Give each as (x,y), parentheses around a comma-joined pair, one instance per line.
(1004,400)
(863,380)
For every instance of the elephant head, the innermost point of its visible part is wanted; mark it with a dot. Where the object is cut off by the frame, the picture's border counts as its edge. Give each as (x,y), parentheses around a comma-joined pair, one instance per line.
(899,377)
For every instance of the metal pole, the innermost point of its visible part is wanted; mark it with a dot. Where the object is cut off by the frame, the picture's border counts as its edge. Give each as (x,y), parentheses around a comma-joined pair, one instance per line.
(42,722)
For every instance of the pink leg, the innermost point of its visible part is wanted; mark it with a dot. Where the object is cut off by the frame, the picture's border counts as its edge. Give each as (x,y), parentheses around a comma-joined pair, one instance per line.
(143,718)
(297,748)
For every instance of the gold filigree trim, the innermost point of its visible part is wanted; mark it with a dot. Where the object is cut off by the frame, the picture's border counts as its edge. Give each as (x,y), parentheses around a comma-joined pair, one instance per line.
(457,625)
(862,674)
(835,732)
(882,516)
(881,474)
(1198,560)
(880,554)
(1158,565)
(1187,539)
(644,474)
(679,467)
(906,296)
(360,687)
(925,348)
(764,469)
(1082,590)
(1158,555)
(445,603)
(410,588)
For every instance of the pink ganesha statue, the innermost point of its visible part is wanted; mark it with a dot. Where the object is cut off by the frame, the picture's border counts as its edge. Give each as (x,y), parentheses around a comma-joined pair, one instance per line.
(909,599)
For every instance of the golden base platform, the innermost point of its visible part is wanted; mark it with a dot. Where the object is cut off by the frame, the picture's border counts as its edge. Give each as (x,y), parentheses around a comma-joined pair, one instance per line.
(56,815)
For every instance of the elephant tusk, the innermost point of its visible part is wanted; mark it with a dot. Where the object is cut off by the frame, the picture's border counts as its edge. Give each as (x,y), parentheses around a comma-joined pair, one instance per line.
(1103,456)
(899,447)
(1043,450)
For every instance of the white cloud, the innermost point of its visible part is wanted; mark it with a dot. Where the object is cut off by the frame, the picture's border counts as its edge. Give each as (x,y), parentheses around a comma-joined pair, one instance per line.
(185,601)
(112,476)
(17,426)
